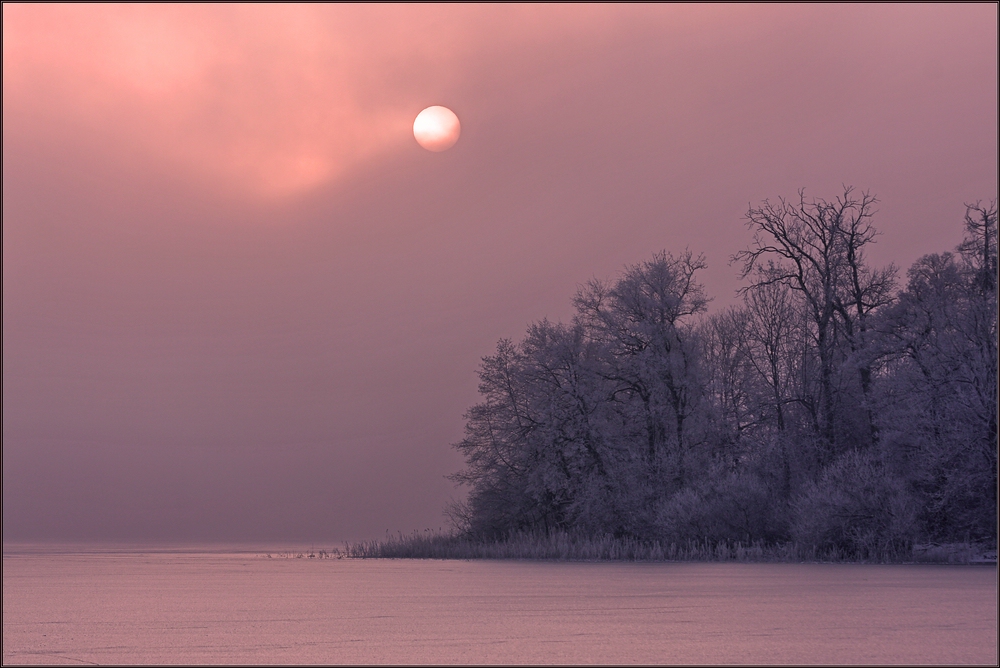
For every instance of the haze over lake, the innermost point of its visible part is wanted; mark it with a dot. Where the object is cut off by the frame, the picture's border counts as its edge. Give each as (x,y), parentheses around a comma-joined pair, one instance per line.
(63,606)
(241,303)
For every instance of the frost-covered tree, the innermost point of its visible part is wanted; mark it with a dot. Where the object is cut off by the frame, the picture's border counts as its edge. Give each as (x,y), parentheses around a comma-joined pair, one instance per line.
(644,324)
(826,408)
(939,400)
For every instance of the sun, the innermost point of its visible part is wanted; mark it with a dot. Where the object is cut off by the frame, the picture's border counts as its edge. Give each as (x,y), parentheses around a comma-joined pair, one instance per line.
(436,128)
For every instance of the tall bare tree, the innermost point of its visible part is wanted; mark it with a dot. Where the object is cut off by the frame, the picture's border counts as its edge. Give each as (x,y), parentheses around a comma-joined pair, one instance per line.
(816,248)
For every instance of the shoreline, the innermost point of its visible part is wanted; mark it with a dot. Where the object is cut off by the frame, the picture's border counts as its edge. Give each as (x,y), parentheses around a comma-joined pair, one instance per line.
(557,547)
(565,547)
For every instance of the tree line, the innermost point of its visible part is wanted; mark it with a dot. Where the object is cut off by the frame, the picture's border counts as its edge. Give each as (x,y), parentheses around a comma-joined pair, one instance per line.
(835,406)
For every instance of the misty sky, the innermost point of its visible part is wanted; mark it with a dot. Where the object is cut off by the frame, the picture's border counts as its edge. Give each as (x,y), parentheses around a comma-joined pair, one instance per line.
(241,303)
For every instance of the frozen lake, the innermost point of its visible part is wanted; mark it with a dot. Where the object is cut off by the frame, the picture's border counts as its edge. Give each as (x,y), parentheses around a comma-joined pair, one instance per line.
(189,607)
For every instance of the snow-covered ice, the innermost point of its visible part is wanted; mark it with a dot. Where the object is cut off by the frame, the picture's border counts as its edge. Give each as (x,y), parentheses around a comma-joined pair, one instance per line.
(204,607)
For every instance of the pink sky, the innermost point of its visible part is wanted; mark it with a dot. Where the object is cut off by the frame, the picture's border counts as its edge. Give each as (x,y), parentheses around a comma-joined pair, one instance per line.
(241,303)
